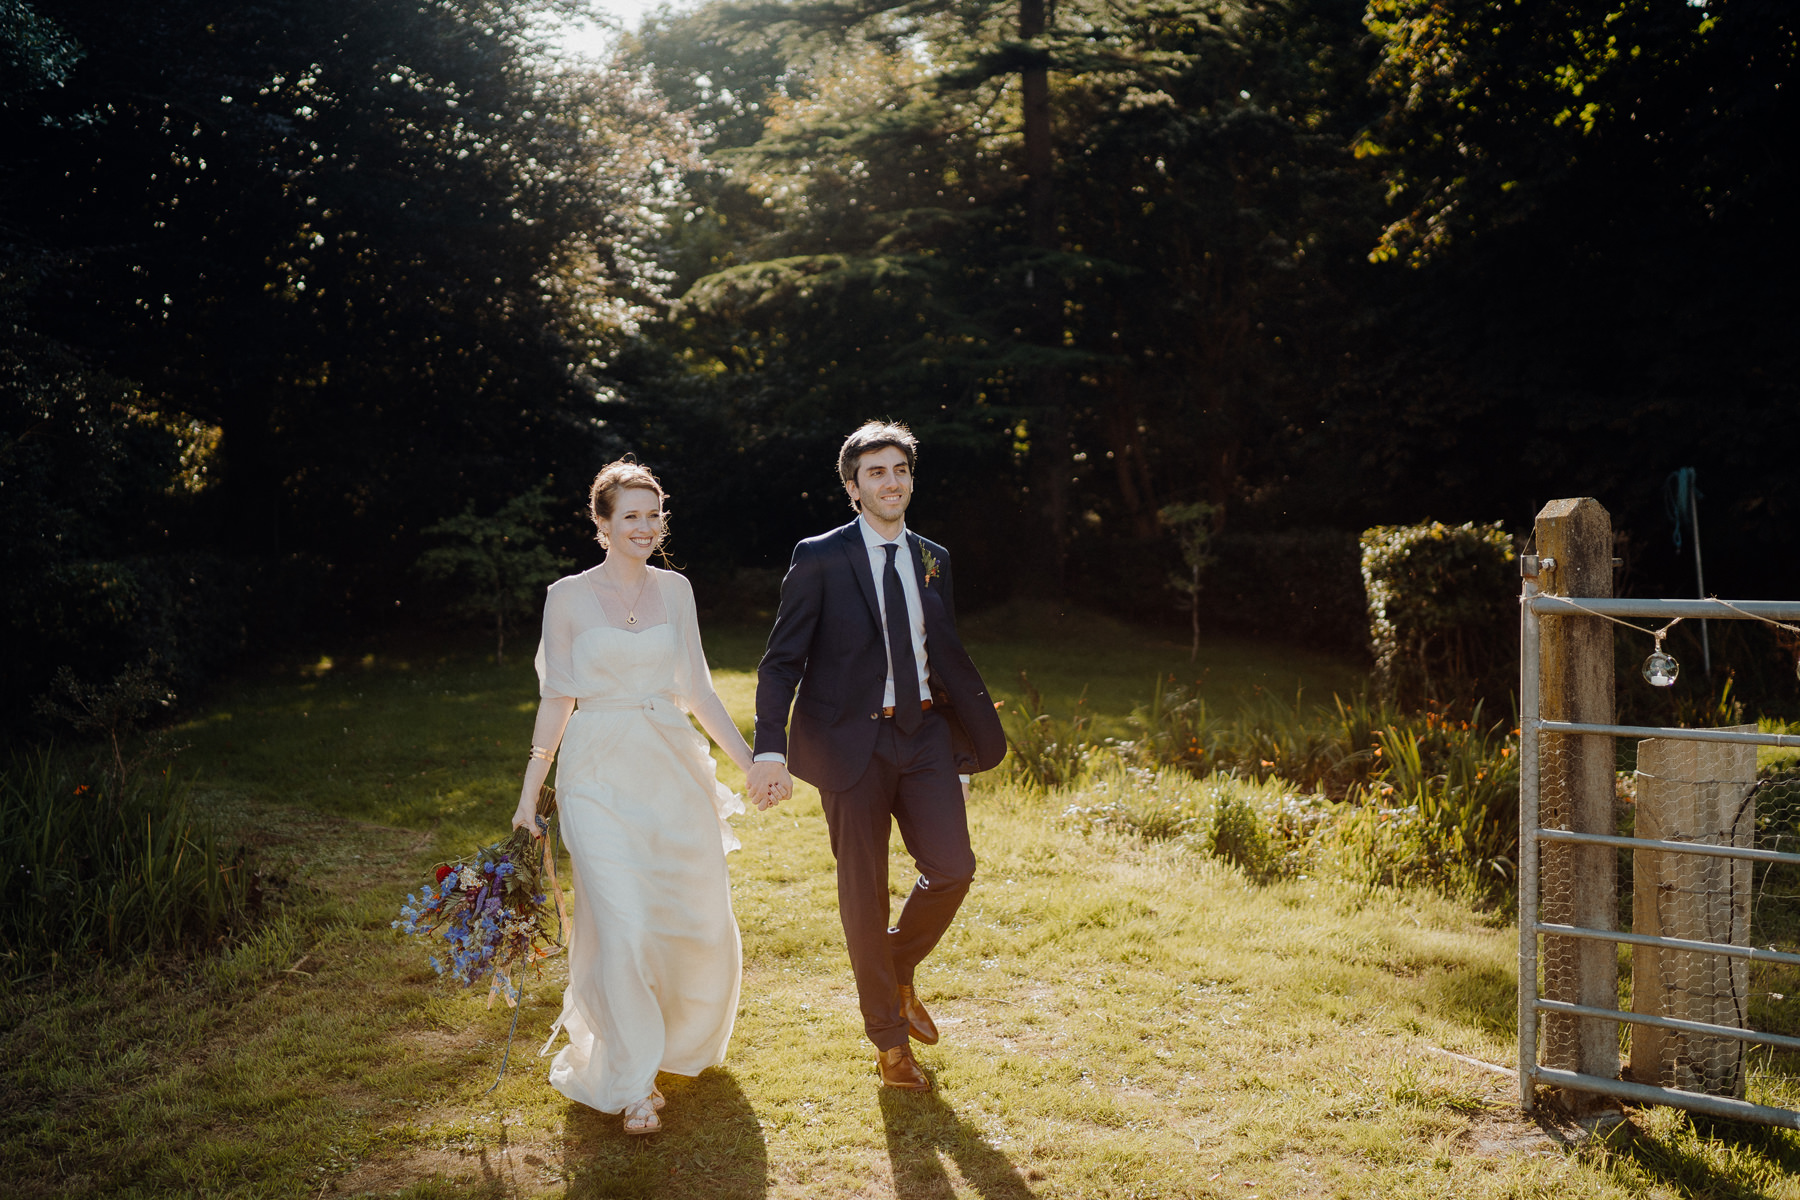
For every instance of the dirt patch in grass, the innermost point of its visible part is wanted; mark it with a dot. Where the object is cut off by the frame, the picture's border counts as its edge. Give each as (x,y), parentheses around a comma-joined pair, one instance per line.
(507,1169)
(1500,1132)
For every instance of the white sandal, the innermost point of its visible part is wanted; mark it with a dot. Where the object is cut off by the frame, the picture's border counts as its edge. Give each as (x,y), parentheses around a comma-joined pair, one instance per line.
(641,1118)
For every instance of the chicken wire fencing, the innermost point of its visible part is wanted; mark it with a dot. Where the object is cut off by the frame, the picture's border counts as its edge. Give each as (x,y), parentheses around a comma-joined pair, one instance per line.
(1693,862)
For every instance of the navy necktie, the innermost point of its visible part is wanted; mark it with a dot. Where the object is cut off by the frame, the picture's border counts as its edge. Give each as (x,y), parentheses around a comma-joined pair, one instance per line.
(907,712)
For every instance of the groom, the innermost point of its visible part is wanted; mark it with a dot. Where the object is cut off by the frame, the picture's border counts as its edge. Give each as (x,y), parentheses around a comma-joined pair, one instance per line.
(890,720)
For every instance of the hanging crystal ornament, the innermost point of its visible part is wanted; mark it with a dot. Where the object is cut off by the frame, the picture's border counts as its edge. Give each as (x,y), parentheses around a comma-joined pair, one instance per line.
(1660,669)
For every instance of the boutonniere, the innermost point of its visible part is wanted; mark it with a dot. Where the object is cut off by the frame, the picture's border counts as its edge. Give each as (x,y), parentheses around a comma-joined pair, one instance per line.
(931,565)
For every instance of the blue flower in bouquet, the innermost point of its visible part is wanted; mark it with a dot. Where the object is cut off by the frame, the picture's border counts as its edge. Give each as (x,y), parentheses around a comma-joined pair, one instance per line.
(489,912)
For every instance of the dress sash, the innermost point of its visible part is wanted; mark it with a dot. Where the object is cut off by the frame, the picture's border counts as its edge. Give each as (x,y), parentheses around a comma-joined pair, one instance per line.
(671,721)
(648,703)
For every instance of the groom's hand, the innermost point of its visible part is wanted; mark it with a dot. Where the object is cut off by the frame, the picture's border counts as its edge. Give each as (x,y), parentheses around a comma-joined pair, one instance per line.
(769,784)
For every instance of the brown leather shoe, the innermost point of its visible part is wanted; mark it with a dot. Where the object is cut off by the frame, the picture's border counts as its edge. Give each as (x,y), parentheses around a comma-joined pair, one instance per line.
(918,1021)
(898,1070)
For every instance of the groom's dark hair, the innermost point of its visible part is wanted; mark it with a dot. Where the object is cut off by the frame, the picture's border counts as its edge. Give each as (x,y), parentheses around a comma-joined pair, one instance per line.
(875,435)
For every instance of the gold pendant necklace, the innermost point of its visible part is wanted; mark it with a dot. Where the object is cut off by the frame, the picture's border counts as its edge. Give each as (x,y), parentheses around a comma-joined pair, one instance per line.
(630,609)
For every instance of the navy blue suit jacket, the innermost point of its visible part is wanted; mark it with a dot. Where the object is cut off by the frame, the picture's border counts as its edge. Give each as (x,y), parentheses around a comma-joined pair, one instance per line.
(827,643)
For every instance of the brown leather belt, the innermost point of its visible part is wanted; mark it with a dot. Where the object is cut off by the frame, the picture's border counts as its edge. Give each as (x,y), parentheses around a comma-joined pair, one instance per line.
(887,710)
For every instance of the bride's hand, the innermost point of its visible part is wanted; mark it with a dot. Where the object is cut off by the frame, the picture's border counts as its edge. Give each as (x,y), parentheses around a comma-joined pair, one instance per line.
(525,817)
(768,783)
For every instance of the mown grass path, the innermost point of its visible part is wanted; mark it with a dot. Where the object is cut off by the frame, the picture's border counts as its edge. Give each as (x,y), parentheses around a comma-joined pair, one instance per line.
(1119,1020)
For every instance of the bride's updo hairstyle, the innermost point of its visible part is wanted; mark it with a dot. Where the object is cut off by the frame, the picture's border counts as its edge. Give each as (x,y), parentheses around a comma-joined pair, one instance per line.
(616,477)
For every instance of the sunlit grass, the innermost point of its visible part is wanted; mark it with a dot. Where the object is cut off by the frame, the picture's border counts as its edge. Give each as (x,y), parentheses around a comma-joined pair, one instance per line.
(1076,655)
(1770,759)
(1120,1019)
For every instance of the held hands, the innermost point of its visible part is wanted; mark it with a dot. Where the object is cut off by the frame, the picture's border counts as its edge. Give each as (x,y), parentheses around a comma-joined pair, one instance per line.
(768,784)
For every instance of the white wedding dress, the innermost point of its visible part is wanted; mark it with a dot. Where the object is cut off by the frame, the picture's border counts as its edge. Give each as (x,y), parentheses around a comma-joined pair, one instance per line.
(654,956)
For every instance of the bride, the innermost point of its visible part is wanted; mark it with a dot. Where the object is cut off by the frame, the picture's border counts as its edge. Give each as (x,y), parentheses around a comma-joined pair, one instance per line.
(654,957)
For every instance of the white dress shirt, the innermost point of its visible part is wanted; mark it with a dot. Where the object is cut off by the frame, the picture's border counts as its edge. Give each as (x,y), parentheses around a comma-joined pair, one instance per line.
(915,608)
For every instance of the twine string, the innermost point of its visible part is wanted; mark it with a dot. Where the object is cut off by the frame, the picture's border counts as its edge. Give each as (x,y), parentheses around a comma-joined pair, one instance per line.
(508,1054)
(1658,634)
(1664,632)
(1755,617)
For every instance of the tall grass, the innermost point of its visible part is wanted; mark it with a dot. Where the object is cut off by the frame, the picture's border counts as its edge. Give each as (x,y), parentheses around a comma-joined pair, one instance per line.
(1362,789)
(1046,751)
(1461,778)
(1314,749)
(1263,829)
(95,865)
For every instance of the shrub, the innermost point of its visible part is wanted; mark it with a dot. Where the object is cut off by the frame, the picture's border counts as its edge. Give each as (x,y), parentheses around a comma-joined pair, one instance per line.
(497,566)
(1044,752)
(1298,586)
(95,866)
(1315,749)
(1245,823)
(1442,611)
(111,710)
(1455,786)
(1236,834)
(97,618)
(1363,790)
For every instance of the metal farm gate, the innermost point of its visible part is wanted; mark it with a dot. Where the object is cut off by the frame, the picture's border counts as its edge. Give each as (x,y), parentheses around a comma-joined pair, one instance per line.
(1708,897)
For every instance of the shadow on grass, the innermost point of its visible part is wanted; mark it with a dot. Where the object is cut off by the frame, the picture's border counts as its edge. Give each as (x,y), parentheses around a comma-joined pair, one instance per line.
(1718,1160)
(1480,997)
(710,1145)
(919,1128)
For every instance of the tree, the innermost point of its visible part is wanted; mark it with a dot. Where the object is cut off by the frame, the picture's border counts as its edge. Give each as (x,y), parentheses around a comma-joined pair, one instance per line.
(285,282)
(88,481)
(387,250)
(982,45)
(1201,241)
(35,53)
(1588,262)
(112,710)
(498,564)
(1191,527)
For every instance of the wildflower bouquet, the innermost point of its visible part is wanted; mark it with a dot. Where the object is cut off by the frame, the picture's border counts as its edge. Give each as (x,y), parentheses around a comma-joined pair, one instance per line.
(492,911)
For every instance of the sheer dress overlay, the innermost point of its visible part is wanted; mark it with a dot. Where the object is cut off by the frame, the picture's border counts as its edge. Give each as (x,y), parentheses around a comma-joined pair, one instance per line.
(654,956)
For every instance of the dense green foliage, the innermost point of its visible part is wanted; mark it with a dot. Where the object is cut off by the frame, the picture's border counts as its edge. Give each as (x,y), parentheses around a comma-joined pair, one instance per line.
(93,865)
(1440,599)
(1365,791)
(1587,194)
(1317,264)
(286,284)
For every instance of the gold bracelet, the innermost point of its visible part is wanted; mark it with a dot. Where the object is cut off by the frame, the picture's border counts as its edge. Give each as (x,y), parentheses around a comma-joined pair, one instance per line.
(538,752)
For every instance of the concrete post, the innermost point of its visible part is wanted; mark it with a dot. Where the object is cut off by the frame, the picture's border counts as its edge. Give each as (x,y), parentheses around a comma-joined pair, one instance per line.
(1578,884)
(1698,792)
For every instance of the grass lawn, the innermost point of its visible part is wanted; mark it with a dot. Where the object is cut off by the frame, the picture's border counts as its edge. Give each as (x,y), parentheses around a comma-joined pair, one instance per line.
(1113,667)
(1119,1020)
